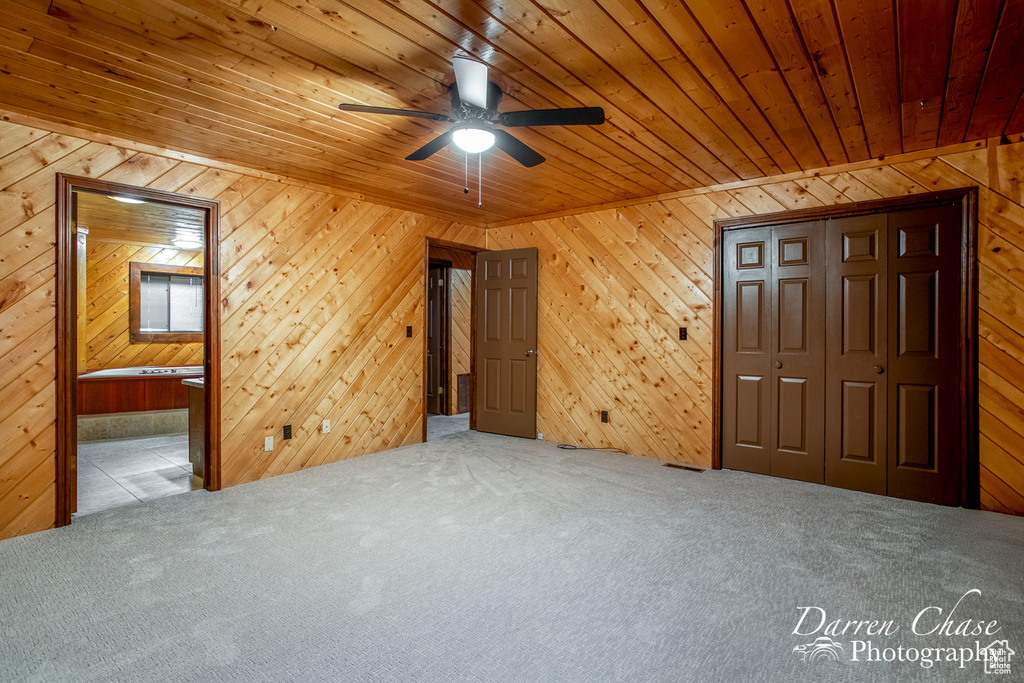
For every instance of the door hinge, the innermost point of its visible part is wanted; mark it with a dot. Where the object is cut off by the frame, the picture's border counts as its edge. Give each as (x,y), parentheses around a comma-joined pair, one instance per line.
(440,390)
(74,462)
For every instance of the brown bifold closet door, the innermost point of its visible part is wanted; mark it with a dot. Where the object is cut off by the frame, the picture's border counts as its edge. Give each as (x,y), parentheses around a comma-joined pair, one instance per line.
(924,354)
(746,349)
(506,342)
(798,350)
(772,351)
(856,322)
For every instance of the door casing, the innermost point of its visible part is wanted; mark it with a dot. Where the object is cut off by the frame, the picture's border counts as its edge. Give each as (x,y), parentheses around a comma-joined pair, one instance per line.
(468,249)
(66,305)
(967,198)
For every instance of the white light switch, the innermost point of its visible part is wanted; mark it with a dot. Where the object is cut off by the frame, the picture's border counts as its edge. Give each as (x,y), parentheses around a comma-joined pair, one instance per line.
(327,427)
(268,443)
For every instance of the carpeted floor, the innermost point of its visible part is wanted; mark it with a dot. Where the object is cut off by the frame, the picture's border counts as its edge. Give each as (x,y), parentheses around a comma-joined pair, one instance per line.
(443,426)
(485,558)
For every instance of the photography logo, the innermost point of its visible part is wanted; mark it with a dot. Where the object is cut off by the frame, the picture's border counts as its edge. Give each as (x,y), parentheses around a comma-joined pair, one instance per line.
(822,648)
(950,635)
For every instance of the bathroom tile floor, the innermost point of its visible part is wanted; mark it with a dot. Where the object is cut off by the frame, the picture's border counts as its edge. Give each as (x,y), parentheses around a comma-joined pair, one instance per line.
(116,473)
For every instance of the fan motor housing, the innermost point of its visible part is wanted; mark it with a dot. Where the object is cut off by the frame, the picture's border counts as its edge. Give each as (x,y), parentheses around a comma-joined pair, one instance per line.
(464,112)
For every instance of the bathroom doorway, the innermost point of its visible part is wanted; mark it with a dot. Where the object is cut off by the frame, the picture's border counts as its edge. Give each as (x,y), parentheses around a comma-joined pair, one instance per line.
(448,338)
(138,345)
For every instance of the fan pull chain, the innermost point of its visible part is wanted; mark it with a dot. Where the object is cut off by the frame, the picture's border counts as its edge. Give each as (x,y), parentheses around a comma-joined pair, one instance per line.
(480,180)
(465,189)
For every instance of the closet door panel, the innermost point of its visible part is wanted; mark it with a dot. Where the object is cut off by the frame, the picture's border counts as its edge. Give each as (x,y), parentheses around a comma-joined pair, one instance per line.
(924,354)
(798,366)
(746,350)
(855,397)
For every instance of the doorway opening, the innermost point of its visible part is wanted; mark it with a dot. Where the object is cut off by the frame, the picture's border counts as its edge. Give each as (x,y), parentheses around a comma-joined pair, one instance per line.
(449,356)
(845,346)
(138,345)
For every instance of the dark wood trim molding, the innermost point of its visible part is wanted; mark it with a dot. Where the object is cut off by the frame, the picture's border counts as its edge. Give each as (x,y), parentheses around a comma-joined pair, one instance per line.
(135,333)
(967,197)
(66,342)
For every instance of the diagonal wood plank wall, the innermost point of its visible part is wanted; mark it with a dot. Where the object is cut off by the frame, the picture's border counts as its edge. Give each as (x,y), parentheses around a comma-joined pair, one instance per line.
(108,345)
(617,283)
(317,290)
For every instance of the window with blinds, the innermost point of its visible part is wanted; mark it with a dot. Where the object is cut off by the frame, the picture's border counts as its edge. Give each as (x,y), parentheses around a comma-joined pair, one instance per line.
(166,303)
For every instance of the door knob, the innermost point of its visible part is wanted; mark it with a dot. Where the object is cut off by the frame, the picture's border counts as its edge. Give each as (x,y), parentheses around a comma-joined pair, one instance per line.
(778,363)
(879,369)
(530,352)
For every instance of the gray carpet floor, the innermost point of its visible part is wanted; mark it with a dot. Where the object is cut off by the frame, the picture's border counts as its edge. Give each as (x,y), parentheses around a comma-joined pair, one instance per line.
(485,558)
(443,426)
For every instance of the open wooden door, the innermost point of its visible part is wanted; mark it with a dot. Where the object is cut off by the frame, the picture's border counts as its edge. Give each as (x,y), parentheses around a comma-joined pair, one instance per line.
(506,342)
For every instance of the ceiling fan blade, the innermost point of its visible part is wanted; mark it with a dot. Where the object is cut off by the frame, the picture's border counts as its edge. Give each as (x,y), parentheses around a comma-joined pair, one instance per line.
(427,150)
(516,149)
(366,109)
(577,116)
(471,77)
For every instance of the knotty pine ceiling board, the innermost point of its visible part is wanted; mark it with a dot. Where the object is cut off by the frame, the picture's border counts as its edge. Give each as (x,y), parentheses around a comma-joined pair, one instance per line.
(696,92)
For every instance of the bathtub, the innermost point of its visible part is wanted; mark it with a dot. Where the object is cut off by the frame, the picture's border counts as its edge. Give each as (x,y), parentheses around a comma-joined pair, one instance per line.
(146,371)
(123,390)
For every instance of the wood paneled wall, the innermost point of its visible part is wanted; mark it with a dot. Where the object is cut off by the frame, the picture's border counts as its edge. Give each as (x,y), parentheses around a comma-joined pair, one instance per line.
(616,284)
(461,299)
(317,290)
(108,344)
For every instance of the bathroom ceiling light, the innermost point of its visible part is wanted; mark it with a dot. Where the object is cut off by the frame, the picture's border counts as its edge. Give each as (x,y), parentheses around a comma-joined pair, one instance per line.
(126,200)
(187,244)
(473,140)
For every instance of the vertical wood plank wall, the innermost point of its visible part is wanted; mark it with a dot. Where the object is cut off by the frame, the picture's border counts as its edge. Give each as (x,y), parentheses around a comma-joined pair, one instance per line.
(461,293)
(317,290)
(108,345)
(616,284)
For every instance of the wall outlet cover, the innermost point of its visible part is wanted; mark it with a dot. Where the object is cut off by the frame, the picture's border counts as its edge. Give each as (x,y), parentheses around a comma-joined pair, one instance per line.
(326,427)
(540,436)
(268,443)
(287,432)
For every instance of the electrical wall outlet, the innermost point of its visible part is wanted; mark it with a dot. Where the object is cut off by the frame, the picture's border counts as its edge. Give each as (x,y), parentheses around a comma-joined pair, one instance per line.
(326,427)
(682,334)
(540,436)
(287,432)
(604,416)
(268,443)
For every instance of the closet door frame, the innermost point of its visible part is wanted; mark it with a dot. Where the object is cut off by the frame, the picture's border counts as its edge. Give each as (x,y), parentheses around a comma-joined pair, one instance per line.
(967,198)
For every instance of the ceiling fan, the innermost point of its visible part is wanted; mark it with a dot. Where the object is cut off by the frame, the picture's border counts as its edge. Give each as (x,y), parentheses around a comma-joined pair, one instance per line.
(475,115)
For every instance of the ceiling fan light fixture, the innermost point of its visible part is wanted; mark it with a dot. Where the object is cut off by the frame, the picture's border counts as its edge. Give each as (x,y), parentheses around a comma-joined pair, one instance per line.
(473,140)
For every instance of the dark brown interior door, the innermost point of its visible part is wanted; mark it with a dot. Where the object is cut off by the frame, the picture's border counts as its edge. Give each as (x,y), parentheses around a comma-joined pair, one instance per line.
(772,356)
(436,338)
(746,349)
(798,344)
(924,354)
(506,342)
(857,346)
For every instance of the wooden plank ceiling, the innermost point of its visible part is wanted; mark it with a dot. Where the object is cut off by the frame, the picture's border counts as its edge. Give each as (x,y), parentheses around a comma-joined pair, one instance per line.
(146,223)
(697,92)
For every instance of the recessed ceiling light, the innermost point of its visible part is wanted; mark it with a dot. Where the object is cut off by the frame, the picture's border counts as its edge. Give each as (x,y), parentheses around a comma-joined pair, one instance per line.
(126,200)
(188,244)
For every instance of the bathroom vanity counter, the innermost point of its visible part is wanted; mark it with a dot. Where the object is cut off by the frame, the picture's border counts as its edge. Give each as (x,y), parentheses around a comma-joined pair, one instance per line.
(196,424)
